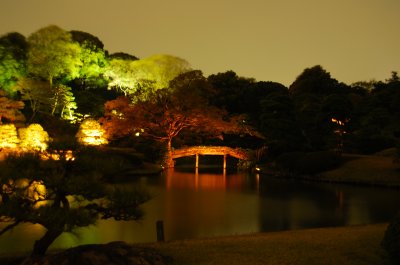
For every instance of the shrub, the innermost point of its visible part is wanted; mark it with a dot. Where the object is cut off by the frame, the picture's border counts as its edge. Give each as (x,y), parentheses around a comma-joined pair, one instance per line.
(316,162)
(391,240)
(307,163)
(34,138)
(287,163)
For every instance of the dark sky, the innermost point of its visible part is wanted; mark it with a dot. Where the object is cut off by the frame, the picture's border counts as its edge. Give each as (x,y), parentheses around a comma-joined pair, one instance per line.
(269,40)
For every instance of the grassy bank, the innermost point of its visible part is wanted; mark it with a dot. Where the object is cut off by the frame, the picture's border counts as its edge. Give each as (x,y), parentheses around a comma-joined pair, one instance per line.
(371,170)
(356,245)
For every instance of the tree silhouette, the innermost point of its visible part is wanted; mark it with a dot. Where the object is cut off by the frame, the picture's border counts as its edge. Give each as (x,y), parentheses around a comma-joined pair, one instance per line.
(61,195)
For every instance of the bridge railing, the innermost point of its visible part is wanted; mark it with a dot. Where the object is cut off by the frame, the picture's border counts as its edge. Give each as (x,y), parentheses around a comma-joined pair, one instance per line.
(208,150)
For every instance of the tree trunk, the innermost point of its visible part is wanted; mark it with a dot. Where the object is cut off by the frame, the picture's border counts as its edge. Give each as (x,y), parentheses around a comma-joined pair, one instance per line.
(169,145)
(168,161)
(55,103)
(40,247)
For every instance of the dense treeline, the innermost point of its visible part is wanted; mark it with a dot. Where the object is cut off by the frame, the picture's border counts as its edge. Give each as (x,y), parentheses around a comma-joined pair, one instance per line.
(54,75)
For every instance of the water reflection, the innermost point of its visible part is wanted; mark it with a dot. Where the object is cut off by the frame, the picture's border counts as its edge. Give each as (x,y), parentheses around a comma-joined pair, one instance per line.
(207,180)
(208,203)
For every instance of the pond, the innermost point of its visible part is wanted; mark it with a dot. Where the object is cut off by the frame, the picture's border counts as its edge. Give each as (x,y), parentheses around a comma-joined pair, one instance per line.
(207,204)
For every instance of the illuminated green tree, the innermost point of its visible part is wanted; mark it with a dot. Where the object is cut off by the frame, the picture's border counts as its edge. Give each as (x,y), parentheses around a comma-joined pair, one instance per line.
(61,195)
(65,102)
(156,72)
(37,92)
(53,57)
(92,55)
(13,50)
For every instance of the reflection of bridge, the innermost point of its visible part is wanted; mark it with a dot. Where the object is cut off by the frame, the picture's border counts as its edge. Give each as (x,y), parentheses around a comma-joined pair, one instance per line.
(208,150)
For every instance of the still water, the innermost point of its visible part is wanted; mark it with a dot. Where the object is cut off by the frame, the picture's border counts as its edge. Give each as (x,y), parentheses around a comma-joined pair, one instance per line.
(210,204)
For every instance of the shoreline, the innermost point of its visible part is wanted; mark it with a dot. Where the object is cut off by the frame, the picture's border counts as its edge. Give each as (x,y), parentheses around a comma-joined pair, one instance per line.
(358,170)
(349,245)
(353,245)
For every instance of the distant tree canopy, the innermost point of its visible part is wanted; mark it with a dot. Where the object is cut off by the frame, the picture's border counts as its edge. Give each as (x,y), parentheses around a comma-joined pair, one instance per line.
(130,76)
(319,99)
(123,56)
(53,55)
(70,75)
(13,56)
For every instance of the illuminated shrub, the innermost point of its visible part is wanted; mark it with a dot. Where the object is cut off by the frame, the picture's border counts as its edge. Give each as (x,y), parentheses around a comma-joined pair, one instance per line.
(8,136)
(91,133)
(33,138)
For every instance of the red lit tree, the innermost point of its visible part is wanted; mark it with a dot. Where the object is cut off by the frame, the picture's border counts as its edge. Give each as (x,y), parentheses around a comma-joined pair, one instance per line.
(163,114)
(10,109)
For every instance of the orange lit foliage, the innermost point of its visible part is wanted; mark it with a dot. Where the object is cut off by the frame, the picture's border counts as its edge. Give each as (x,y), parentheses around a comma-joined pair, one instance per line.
(10,109)
(91,133)
(33,138)
(166,112)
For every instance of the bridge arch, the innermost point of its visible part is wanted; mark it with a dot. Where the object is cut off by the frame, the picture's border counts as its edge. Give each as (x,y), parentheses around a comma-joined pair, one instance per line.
(239,153)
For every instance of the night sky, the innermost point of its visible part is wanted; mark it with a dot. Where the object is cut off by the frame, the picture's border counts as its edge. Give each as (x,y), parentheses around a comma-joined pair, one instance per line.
(269,40)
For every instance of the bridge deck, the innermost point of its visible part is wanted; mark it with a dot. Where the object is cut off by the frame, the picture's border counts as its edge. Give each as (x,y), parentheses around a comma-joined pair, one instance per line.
(210,150)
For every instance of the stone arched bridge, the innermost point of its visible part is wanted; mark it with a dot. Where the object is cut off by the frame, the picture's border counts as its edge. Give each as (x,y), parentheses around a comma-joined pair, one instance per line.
(207,150)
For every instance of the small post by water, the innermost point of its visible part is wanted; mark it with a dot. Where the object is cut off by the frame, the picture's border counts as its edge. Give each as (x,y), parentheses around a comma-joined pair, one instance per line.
(224,165)
(160,231)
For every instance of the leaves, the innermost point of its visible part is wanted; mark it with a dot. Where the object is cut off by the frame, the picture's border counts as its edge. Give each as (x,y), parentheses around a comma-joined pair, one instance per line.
(130,75)
(62,195)
(10,109)
(52,54)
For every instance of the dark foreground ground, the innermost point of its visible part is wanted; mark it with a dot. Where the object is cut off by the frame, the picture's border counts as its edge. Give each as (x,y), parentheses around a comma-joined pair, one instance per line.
(355,245)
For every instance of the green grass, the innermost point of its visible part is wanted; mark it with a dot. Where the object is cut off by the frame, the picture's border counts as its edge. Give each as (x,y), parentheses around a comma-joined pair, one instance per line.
(356,245)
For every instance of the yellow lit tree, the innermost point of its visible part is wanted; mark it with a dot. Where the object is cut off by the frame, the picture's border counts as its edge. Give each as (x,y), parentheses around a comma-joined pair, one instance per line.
(91,133)
(8,136)
(130,76)
(34,138)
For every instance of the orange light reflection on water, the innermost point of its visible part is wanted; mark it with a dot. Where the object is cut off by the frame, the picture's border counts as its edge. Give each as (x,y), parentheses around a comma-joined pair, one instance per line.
(215,181)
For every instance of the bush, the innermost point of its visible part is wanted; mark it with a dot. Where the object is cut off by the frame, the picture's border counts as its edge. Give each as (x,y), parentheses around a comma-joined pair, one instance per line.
(287,163)
(316,162)
(307,163)
(391,240)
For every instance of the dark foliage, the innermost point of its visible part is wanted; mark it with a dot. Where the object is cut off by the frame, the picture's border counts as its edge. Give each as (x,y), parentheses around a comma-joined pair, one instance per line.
(299,163)
(123,56)
(391,240)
